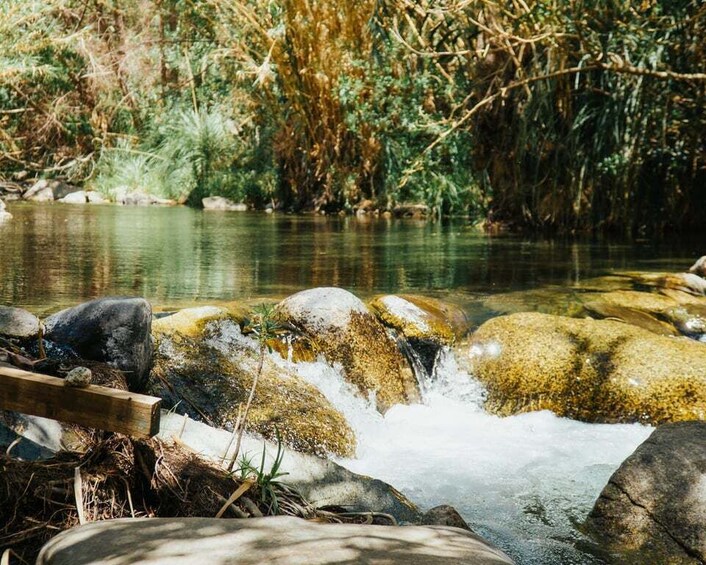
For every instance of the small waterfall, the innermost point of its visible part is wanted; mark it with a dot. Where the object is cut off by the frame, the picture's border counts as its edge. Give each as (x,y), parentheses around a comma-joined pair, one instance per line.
(523,482)
(421,373)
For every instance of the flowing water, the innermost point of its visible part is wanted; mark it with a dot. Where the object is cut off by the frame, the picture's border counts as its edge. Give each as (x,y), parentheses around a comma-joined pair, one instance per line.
(525,482)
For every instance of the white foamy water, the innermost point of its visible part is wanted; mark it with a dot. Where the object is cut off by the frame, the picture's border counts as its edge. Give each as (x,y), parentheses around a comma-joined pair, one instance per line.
(523,482)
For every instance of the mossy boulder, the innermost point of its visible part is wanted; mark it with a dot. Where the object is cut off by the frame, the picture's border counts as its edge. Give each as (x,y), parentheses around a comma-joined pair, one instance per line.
(339,326)
(206,365)
(633,316)
(427,323)
(591,370)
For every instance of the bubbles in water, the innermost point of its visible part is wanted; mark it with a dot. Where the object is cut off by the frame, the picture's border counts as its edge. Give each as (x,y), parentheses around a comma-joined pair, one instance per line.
(523,481)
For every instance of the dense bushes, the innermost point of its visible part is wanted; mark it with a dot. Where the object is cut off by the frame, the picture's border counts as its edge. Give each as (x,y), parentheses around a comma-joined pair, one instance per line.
(562,114)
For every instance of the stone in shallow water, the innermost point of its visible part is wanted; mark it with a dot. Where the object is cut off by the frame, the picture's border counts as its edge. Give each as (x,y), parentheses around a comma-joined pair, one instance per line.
(204,363)
(343,330)
(590,370)
(278,540)
(653,509)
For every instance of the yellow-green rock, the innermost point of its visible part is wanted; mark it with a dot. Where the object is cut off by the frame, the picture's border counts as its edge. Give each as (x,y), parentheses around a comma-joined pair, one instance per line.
(421,317)
(204,363)
(340,327)
(645,320)
(591,370)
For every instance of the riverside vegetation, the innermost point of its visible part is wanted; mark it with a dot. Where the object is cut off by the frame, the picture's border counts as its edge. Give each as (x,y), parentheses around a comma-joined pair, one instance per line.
(562,114)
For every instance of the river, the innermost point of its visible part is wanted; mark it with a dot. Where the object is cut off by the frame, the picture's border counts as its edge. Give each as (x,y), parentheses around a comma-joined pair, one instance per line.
(525,482)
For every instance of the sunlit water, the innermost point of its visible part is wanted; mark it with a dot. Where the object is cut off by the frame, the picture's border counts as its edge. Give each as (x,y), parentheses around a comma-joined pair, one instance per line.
(524,482)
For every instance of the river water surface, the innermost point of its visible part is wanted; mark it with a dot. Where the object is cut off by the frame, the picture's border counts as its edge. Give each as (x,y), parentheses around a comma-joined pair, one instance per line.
(525,482)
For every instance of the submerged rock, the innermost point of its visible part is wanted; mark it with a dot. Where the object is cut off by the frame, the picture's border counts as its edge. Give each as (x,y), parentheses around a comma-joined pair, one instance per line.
(653,509)
(112,330)
(340,327)
(277,539)
(16,323)
(591,370)
(633,316)
(204,363)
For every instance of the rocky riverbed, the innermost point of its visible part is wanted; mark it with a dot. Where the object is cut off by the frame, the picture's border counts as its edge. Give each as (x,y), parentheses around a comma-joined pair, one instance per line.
(630,351)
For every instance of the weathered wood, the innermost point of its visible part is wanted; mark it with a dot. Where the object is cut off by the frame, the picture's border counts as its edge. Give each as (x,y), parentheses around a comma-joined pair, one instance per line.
(94,406)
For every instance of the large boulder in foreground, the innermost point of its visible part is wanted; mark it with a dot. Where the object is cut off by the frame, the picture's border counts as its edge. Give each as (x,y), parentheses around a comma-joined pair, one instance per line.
(278,539)
(206,366)
(591,370)
(112,330)
(340,327)
(653,509)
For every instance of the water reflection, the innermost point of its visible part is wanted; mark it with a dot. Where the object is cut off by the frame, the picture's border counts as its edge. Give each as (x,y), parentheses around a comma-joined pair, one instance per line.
(55,255)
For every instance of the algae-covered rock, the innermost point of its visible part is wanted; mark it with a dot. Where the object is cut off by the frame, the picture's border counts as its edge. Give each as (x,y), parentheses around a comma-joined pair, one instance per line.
(421,317)
(204,363)
(427,324)
(591,370)
(645,320)
(341,328)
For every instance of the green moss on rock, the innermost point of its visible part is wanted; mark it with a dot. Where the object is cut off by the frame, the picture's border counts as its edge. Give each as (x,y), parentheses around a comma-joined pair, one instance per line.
(206,364)
(339,327)
(421,318)
(591,370)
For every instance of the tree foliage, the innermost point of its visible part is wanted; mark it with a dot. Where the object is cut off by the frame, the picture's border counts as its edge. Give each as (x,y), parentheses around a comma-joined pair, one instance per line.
(562,114)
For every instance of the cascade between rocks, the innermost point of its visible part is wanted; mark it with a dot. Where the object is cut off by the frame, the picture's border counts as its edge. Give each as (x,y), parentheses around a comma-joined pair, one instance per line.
(523,482)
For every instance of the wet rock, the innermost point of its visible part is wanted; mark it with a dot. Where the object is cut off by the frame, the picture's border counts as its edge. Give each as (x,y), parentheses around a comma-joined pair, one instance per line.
(16,323)
(340,327)
(112,330)
(78,377)
(699,268)
(444,515)
(689,319)
(427,324)
(653,509)
(206,365)
(278,539)
(684,282)
(591,370)
(321,481)
(639,318)
(221,203)
(78,197)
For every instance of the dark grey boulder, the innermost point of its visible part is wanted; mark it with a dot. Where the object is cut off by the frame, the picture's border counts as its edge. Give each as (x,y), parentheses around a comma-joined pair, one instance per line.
(116,331)
(653,509)
(273,540)
(16,323)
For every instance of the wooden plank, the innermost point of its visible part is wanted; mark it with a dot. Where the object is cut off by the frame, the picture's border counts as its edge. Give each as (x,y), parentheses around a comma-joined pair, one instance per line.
(94,406)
